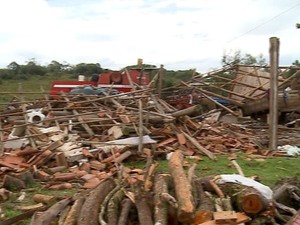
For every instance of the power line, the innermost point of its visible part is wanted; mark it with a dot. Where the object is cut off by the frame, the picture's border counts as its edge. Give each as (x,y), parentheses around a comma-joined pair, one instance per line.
(262,24)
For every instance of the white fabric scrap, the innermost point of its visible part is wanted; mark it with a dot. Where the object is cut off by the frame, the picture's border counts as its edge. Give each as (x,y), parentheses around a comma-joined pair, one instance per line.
(132,141)
(289,150)
(238,179)
(50,130)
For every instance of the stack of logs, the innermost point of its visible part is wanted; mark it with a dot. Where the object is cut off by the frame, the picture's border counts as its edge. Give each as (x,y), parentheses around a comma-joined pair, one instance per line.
(144,196)
(81,141)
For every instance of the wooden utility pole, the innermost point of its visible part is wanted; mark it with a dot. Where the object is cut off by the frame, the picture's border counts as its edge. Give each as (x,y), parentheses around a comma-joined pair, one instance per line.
(160,80)
(273,112)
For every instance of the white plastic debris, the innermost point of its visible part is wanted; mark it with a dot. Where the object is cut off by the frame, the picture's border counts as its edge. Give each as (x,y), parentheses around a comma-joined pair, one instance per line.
(35,116)
(238,179)
(15,139)
(50,130)
(132,141)
(21,197)
(289,150)
(168,155)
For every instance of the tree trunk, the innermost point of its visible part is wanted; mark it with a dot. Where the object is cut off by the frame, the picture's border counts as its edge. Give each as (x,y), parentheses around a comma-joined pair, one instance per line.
(204,204)
(113,208)
(91,207)
(126,206)
(161,206)
(287,194)
(246,199)
(63,215)
(74,212)
(49,215)
(183,189)
(144,210)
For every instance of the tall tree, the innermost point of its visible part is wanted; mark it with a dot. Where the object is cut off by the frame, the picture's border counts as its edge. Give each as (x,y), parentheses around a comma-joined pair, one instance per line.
(54,67)
(33,68)
(13,66)
(88,68)
(13,69)
(238,57)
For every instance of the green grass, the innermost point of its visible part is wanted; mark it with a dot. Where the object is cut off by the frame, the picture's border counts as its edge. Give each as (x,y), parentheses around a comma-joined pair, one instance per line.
(269,170)
(9,208)
(32,84)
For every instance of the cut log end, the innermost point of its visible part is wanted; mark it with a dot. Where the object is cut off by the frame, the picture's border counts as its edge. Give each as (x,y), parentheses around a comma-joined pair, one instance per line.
(253,204)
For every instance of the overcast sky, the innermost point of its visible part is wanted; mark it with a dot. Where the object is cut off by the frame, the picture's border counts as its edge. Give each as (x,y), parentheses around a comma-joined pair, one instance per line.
(181,34)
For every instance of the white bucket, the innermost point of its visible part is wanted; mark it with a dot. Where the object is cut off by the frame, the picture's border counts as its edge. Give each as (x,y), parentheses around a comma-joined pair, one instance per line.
(81,78)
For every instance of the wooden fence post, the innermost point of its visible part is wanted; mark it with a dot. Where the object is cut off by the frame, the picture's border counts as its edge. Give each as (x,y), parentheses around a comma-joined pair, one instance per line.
(273,112)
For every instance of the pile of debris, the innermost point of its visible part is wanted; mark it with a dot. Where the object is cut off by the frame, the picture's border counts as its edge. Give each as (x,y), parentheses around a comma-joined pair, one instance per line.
(81,141)
(90,135)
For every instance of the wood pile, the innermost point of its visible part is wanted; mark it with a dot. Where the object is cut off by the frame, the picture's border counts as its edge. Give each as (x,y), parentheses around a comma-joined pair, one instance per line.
(82,141)
(144,196)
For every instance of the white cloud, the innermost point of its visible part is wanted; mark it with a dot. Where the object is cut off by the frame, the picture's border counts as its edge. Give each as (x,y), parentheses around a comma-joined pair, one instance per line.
(181,34)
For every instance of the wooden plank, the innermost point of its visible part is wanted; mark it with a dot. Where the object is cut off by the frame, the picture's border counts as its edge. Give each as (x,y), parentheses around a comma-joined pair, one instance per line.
(61,159)
(83,124)
(46,96)
(225,217)
(181,138)
(98,99)
(234,81)
(241,218)
(166,141)
(9,165)
(200,147)
(27,132)
(232,93)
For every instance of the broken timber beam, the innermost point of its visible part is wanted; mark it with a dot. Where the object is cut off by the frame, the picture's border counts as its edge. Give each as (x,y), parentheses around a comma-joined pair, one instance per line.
(141,128)
(113,96)
(227,91)
(212,100)
(84,125)
(200,147)
(183,189)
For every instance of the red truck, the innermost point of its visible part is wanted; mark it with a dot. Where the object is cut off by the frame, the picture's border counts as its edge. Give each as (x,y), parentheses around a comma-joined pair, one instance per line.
(122,81)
